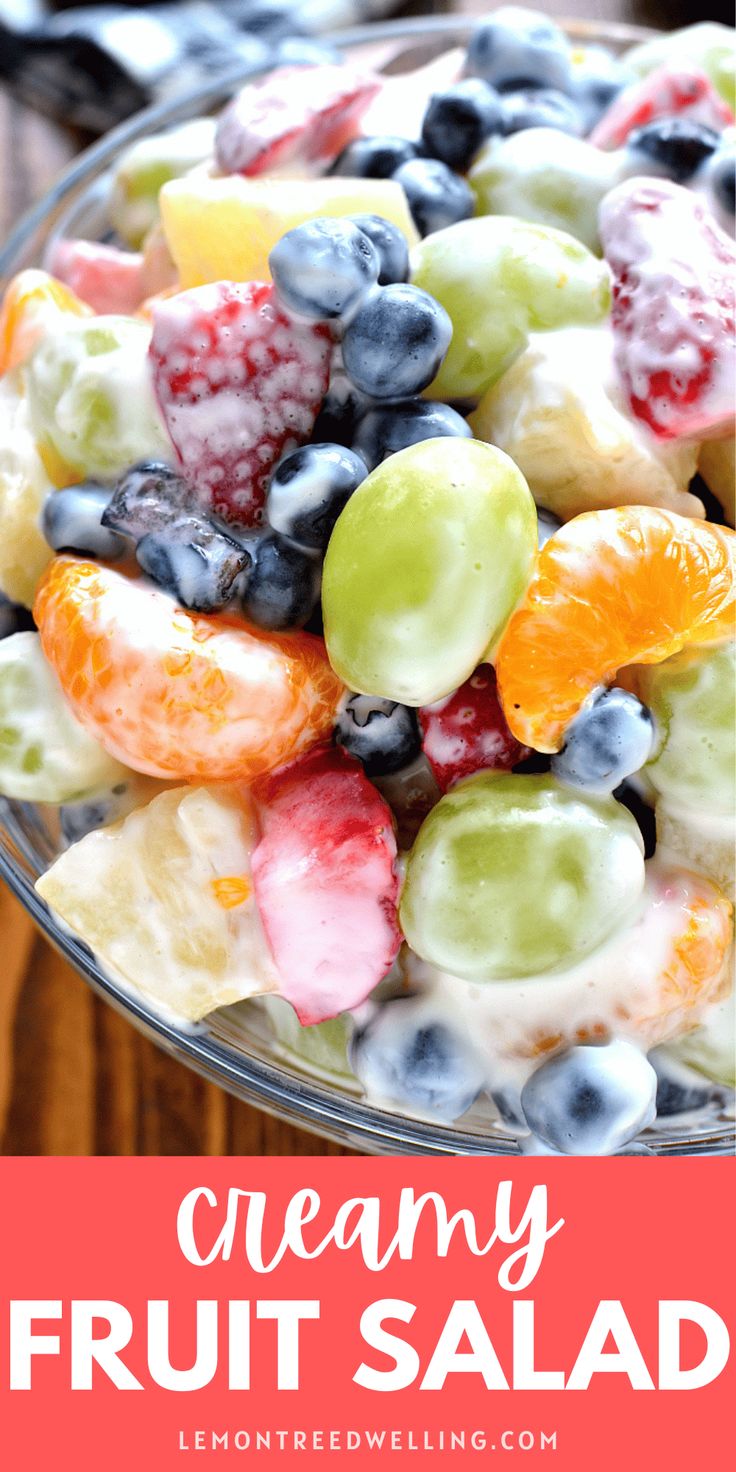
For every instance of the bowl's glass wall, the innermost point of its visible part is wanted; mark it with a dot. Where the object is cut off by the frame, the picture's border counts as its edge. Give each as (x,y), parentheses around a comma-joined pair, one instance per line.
(236,1047)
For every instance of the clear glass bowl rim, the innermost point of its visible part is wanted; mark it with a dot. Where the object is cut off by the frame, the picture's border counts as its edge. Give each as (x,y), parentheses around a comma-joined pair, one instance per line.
(320,1108)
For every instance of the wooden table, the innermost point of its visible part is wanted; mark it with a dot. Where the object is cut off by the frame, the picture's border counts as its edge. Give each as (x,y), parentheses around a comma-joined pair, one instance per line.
(75,1078)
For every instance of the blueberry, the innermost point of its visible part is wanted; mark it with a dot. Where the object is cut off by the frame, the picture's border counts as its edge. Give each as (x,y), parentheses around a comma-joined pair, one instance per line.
(437,197)
(721,180)
(71,521)
(411,794)
(147,497)
(382,734)
(508,1103)
(547,525)
(680,1091)
(393,251)
(522,110)
(406,1056)
(323,268)
(374,158)
(308,490)
(675,147)
(597,81)
(342,408)
(391,427)
(459,120)
(282,588)
(395,343)
(610,738)
(13,618)
(592,1099)
(77,819)
(629,795)
(516,48)
(193,560)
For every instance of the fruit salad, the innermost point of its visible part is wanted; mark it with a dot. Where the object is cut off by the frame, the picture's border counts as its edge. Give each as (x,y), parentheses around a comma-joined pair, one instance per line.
(368,588)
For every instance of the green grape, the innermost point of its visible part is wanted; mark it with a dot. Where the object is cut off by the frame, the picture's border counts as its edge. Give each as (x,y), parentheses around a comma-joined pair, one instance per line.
(321,1048)
(45,754)
(707,45)
(149,164)
(514,876)
(500,279)
(92,398)
(424,567)
(24,486)
(693,698)
(546,177)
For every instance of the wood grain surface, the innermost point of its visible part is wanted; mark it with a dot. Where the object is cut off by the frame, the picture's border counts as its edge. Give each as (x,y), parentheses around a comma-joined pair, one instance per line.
(75,1078)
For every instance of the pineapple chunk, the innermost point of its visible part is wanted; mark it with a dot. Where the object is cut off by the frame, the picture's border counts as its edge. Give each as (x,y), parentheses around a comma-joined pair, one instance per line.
(224,229)
(165,900)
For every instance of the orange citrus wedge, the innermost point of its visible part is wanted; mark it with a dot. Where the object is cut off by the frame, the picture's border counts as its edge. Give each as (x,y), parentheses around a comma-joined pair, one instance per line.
(30,306)
(694,972)
(627,586)
(179,694)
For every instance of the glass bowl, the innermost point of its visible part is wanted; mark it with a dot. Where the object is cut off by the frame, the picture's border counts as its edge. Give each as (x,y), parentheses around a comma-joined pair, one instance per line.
(237,1047)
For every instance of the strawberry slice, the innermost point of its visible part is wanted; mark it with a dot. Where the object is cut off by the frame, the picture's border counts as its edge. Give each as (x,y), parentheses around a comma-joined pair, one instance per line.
(673,308)
(107,279)
(682,91)
(325,882)
(239,383)
(297,114)
(467,732)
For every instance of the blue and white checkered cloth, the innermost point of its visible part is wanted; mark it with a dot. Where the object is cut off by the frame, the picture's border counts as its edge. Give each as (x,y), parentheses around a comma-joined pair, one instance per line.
(92,66)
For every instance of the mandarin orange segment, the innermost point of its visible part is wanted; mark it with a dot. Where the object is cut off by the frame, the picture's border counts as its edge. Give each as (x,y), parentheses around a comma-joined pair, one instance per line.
(696,970)
(30,306)
(177,694)
(627,586)
(688,924)
(695,976)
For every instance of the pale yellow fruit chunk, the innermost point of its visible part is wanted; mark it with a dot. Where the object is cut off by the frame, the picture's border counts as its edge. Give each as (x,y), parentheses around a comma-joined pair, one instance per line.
(559,413)
(165,900)
(224,229)
(24,486)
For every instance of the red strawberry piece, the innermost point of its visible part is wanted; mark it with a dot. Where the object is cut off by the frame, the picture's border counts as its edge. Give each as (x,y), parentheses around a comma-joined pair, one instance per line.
(108,279)
(673,308)
(297,114)
(325,882)
(683,91)
(239,383)
(467,732)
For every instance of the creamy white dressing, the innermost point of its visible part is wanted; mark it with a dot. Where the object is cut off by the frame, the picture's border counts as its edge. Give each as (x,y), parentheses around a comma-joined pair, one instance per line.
(611,991)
